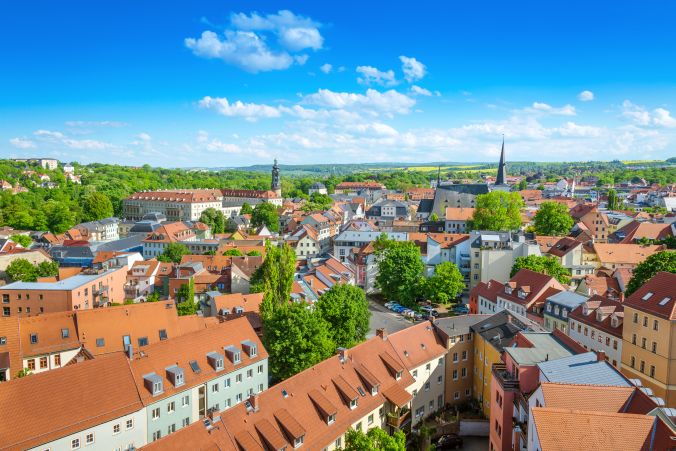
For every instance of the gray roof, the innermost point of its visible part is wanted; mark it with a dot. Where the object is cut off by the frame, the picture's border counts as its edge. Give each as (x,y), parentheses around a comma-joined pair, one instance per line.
(71,252)
(355,235)
(470,188)
(582,369)
(458,325)
(145,226)
(317,185)
(122,244)
(425,206)
(545,347)
(499,329)
(67,284)
(568,299)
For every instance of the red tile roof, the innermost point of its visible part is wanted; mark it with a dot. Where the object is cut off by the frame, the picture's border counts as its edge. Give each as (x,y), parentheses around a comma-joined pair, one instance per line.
(657,296)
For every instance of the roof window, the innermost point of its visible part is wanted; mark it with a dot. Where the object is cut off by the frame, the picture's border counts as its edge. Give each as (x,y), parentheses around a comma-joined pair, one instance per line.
(665,300)
(647,296)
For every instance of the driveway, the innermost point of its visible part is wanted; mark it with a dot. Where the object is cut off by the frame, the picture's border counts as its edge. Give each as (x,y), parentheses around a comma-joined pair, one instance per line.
(386,319)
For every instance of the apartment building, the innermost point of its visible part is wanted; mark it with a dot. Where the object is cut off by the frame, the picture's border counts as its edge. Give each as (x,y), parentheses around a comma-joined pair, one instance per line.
(360,388)
(183,379)
(456,219)
(621,256)
(492,254)
(174,232)
(558,308)
(80,292)
(483,297)
(423,352)
(176,205)
(350,239)
(526,292)
(568,252)
(597,325)
(649,336)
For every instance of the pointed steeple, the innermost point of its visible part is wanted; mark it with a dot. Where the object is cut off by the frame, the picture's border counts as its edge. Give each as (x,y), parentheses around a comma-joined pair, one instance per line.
(501,179)
(439,176)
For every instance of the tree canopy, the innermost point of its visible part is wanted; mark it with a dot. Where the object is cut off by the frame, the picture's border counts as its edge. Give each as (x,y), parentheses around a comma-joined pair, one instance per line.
(613,200)
(542,264)
(400,269)
(23,240)
(275,276)
(173,252)
(497,210)
(233,253)
(96,206)
(445,284)
(552,218)
(644,271)
(185,299)
(296,337)
(246,209)
(265,214)
(375,439)
(215,219)
(346,310)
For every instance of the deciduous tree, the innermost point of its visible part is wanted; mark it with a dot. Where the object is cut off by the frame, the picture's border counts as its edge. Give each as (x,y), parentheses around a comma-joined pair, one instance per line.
(21,270)
(542,264)
(173,252)
(346,310)
(445,284)
(497,210)
(375,439)
(23,240)
(552,218)
(96,206)
(400,270)
(644,271)
(265,214)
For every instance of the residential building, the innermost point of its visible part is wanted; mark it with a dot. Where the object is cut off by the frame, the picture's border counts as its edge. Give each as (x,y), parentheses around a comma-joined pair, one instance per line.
(619,256)
(456,219)
(649,336)
(526,292)
(10,252)
(558,308)
(101,400)
(423,351)
(483,298)
(447,247)
(363,263)
(597,325)
(568,252)
(83,291)
(358,187)
(360,388)
(636,231)
(589,219)
(239,197)
(388,210)
(317,187)
(349,239)
(106,229)
(173,232)
(176,205)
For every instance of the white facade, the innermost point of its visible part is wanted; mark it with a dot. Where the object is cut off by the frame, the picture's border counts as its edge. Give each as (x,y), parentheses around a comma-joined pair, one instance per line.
(123,433)
(40,363)
(594,339)
(349,239)
(428,389)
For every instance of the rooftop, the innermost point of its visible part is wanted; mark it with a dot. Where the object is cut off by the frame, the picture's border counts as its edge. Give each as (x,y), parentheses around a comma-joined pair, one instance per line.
(545,347)
(581,369)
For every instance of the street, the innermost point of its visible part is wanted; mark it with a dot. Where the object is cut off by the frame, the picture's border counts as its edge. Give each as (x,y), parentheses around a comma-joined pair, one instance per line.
(383,318)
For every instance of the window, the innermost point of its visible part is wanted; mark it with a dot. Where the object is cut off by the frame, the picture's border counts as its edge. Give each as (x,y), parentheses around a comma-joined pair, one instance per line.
(238,378)
(645,321)
(31,364)
(632,362)
(75,443)
(440,379)
(214,388)
(614,344)
(338,442)
(171,407)
(464,355)
(130,423)
(226,383)
(455,375)
(34,340)
(171,428)
(185,422)
(157,435)
(65,333)
(463,372)
(643,342)
(635,318)
(642,367)
(260,369)
(427,386)
(249,373)
(427,367)
(353,403)
(185,400)
(370,419)
(156,413)
(43,362)
(455,357)
(163,334)
(633,339)
(655,325)
(143,341)
(89,438)
(238,398)
(415,373)
(116,429)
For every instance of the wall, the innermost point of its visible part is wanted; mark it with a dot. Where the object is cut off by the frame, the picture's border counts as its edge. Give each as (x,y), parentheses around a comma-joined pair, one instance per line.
(462,385)
(614,355)
(66,356)
(422,397)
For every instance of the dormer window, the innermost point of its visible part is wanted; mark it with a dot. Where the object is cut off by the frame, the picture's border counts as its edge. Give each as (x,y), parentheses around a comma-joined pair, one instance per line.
(508,289)
(374,390)
(34,338)
(153,384)
(234,354)
(397,376)
(522,294)
(353,404)
(298,442)
(549,307)
(331,419)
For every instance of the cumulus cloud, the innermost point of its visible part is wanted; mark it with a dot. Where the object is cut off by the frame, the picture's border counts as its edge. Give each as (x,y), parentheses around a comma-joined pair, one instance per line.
(369,75)
(78,144)
(246,43)
(585,96)
(640,115)
(566,110)
(413,69)
(95,124)
(326,68)
(417,90)
(215,144)
(22,143)
(573,130)
(250,111)
(388,102)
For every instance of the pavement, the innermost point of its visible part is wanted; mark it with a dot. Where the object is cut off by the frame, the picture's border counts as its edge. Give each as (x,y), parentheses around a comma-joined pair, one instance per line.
(475,443)
(383,318)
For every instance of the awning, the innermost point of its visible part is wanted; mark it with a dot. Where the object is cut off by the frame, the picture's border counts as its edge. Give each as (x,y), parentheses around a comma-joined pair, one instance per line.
(397,395)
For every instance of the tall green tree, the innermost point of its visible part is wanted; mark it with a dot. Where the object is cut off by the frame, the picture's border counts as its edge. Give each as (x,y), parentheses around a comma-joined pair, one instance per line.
(296,338)
(542,264)
(47,269)
(445,284)
(23,240)
(275,277)
(215,219)
(613,200)
(246,209)
(96,206)
(497,210)
(644,271)
(185,299)
(346,310)
(21,270)
(233,253)
(265,214)
(552,218)
(173,252)
(400,269)
(375,439)
(59,216)
(523,184)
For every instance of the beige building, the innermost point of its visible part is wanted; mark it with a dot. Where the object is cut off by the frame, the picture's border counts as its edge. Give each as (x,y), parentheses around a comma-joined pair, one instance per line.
(649,336)
(492,254)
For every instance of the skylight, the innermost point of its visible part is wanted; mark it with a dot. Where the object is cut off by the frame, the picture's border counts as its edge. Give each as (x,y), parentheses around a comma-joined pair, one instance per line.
(647,296)
(194,366)
(665,300)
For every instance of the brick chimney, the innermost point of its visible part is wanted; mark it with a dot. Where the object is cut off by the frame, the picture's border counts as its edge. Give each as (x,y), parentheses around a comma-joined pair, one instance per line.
(600,356)
(381,333)
(621,297)
(342,354)
(509,318)
(255,402)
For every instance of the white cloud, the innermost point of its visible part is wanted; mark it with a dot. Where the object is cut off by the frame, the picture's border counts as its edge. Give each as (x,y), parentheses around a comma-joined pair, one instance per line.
(49,134)
(144,137)
(326,68)
(215,144)
(585,96)
(573,130)
(371,75)
(249,111)
(284,19)
(659,117)
(387,102)
(566,110)
(412,68)
(420,91)
(78,144)
(22,143)
(95,124)
(296,39)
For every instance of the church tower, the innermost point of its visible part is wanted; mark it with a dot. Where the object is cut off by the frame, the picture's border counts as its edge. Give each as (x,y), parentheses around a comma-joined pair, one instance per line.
(276,184)
(501,179)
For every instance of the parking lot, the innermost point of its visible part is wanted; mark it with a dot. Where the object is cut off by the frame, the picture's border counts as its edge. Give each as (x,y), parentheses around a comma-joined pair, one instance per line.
(383,318)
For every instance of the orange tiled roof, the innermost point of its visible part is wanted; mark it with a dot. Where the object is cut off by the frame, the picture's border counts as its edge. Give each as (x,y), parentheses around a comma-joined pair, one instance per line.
(459,214)
(624,253)
(417,344)
(657,296)
(249,302)
(586,397)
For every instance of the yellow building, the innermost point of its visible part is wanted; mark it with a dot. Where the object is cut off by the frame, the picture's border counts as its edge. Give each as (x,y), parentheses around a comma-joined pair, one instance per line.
(649,336)
(490,337)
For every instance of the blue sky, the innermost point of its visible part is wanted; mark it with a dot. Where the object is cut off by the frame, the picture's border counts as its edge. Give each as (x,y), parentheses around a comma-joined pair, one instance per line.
(234,83)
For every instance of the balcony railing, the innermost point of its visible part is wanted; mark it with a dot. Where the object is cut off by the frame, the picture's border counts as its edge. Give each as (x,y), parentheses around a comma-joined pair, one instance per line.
(397,420)
(504,377)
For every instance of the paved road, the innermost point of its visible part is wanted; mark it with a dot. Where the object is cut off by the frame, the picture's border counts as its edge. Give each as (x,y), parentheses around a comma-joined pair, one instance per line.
(383,318)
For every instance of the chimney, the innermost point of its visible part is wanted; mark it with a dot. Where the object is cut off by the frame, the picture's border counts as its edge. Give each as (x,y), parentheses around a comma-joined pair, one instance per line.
(255,402)
(342,354)
(621,297)
(381,333)
(509,318)
(600,356)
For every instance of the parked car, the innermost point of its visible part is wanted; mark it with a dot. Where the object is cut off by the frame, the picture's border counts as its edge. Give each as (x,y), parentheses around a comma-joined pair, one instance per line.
(448,441)
(461,309)
(429,311)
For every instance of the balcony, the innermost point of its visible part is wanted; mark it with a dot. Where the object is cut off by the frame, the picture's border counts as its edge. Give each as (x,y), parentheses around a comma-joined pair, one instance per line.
(504,377)
(464,256)
(101,291)
(399,419)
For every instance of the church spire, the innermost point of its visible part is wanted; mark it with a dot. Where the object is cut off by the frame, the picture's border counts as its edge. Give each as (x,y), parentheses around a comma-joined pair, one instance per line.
(501,179)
